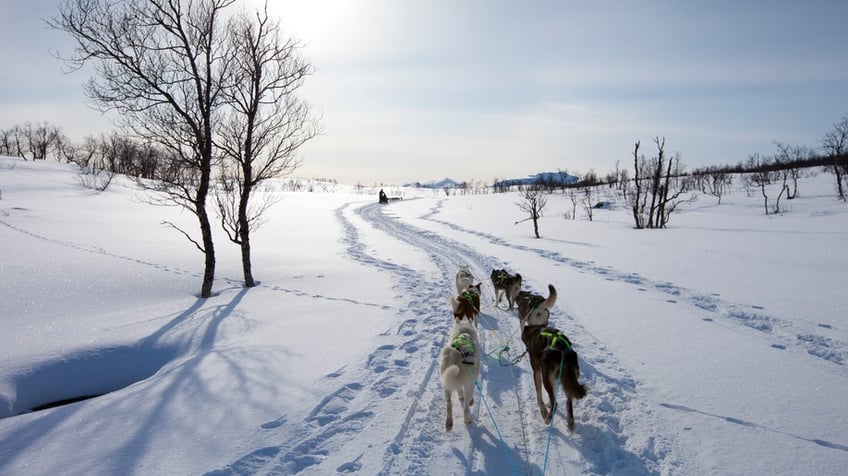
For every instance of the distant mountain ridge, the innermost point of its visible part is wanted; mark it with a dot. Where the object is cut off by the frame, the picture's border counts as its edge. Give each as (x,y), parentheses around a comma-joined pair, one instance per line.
(548,178)
(440,183)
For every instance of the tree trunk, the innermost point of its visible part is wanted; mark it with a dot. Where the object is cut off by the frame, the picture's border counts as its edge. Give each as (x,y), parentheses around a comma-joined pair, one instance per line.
(536,224)
(244,238)
(203,217)
(208,250)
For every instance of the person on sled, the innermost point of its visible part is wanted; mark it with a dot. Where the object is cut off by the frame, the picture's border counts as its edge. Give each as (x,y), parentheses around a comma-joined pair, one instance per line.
(383,197)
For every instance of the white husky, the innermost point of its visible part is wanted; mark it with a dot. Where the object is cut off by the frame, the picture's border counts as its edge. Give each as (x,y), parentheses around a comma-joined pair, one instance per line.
(464,278)
(460,369)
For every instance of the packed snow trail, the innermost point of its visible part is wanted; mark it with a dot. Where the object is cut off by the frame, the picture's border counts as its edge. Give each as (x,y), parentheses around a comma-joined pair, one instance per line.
(394,399)
(509,390)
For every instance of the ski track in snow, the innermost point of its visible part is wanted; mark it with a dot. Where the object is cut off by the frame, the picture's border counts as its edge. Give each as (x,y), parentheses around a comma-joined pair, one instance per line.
(394,399)
(781,334)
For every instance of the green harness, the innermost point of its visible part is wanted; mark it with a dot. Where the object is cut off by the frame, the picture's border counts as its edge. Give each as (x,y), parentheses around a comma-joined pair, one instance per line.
(465,346)
(556,336)
(468,296)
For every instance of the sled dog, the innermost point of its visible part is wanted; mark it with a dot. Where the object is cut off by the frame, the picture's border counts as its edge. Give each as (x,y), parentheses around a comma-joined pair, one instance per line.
(467,304)
(535,310)
(553,359)
(506,284)
(460,368)
(464,278)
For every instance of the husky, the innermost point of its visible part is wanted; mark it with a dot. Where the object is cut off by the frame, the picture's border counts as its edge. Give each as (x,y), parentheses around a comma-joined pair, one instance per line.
(460,369)
(553,359)
(506,284)
(467,304)
(464,278)
(535,310)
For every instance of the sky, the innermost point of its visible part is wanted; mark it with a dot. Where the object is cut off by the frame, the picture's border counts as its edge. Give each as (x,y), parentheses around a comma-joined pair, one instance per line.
(478,90)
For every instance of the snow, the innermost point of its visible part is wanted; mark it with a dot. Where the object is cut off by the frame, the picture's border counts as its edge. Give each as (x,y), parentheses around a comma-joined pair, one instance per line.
(716,346)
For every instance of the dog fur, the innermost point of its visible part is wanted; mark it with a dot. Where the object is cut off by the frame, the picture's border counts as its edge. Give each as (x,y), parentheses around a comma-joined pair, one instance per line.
(460,369)
(552,358)
(467,304)
(535,310)
(506,284)
(464,278)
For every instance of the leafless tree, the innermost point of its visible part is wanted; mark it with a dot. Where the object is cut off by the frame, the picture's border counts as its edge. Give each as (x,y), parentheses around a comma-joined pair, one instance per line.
(588,200)
(835,144)
(41,139)
(161,65)
(533,202)
(636,195)
(790,160)
(656,179)
(714,181)
(266,125)
(7,142)
(761,176)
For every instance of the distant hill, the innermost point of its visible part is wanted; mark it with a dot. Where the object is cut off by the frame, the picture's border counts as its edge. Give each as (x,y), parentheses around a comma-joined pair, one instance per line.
(554,179)
(548,178)
(439,184)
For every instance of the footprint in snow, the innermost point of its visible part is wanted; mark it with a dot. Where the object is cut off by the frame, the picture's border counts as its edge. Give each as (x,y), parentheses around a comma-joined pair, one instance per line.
(273,423)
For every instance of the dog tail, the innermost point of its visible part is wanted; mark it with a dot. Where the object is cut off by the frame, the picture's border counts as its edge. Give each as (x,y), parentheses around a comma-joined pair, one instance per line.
(570,373)
(454,304)
(451,376)
(552,297)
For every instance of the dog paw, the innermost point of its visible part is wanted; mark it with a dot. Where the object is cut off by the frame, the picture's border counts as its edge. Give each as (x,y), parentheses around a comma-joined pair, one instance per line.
(448,425)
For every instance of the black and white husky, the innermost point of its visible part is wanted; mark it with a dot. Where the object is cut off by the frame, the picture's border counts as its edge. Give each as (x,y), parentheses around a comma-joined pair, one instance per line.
(534,309)
(460,369)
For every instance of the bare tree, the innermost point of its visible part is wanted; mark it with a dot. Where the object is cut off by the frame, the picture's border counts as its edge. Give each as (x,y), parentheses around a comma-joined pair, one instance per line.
(714,181)
(657,178)
(533,201)
(267,125)
(588,201)
(761,176)
(835,144)
(161,65)
(636,195)
(41,139)
(7,145)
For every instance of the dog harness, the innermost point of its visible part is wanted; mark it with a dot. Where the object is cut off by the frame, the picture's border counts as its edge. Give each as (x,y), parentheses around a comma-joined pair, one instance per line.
(501,277)
(556,336)
(533,301)
(465,346)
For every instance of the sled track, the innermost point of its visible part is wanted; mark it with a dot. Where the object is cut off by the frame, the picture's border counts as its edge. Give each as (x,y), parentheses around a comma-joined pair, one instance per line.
(780,333)
(394,399)
(599,445)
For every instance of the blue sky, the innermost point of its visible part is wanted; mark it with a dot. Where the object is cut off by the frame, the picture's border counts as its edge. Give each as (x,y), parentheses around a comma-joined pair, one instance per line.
(417,90)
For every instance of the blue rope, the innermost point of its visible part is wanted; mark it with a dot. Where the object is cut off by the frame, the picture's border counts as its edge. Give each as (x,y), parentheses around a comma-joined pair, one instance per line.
(492,417)
(553,412)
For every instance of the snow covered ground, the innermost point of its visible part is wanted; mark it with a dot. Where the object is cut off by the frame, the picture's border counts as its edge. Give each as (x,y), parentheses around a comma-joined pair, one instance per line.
(717,346)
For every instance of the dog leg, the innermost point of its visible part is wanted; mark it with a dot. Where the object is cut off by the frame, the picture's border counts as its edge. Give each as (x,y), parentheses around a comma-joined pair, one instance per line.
(449,418)
(569,419)
(537,380)
(466,408)
(550,388)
